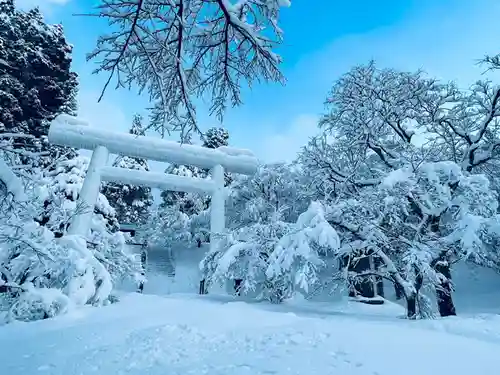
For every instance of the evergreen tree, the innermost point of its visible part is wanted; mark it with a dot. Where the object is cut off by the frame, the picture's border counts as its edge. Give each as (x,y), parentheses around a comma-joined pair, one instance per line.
(36,82)
(131,202)
(216,137)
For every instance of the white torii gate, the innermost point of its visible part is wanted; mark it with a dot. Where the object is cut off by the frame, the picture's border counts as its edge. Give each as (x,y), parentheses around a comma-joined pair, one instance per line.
(70,131)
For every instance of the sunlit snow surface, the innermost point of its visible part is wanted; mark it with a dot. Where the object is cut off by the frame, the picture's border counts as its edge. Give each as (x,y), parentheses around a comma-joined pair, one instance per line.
(189,334)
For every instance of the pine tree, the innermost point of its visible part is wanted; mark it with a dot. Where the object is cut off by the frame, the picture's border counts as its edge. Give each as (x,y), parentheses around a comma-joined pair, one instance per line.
(131,202)
(36,82)
(216,137)
(70,107)
(137,126)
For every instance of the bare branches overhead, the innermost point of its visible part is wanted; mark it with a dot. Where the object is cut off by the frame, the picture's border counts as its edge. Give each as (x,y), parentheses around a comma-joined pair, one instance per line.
(181,50)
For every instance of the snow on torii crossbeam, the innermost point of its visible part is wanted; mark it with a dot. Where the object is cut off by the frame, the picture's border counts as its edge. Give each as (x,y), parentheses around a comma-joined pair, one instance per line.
(70,131)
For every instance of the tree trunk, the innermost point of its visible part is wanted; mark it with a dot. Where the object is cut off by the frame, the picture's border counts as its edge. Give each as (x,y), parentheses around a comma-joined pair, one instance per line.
(237,286)
(410,297)
(399,291)
(443,290)
(203,288)
(444,300)
(411,306)
(380,286)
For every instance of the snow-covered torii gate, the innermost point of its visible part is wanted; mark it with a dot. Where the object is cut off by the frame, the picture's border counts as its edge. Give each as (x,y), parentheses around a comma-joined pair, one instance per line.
(70,131)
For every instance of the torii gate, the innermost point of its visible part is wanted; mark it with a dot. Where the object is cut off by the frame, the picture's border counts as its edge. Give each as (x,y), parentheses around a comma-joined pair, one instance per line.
(70,131)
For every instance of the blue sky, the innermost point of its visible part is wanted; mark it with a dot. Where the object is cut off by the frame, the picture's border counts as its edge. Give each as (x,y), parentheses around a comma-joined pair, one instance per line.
(323,39)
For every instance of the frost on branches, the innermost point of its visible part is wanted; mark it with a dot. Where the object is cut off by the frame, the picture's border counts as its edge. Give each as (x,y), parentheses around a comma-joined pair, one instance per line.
(131,202)
(204,47)
(274,258)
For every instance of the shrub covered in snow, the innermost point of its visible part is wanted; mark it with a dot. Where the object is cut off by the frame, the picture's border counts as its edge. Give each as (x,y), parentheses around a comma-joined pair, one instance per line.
(43,271)
(275,257)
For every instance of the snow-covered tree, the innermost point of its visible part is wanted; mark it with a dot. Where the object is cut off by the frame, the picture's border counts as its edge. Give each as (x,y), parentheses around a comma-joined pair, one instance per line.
(131,202)
(206,47)
(167,226)
(419,222)
(275,258)
(188,203)
(382,119)
(270,199)
(42,274)
(371,123)
(28,256)
(36,82)
(60,189)
(59,192)
(215,137)
(384,125)
(276,190)
(196,206)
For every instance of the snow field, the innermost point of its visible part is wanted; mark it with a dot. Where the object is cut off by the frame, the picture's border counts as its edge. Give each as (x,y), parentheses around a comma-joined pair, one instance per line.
(204,335)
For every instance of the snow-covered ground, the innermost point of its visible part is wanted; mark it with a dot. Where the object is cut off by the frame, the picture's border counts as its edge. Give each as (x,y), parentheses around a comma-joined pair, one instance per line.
(183,333)
(187,334)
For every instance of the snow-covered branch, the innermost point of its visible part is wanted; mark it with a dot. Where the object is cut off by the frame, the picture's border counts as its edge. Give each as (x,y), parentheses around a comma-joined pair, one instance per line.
(181,50)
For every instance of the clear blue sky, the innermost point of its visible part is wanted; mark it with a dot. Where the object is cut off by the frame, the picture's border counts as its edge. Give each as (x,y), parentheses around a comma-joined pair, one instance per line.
(323,38)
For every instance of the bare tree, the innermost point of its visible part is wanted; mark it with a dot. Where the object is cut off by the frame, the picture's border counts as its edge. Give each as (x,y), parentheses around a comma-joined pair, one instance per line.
(180,50)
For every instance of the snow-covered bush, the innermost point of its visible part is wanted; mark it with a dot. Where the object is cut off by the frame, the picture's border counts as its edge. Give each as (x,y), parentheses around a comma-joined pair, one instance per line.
(44,271)
(31,262)
(275,257)
(38,303)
